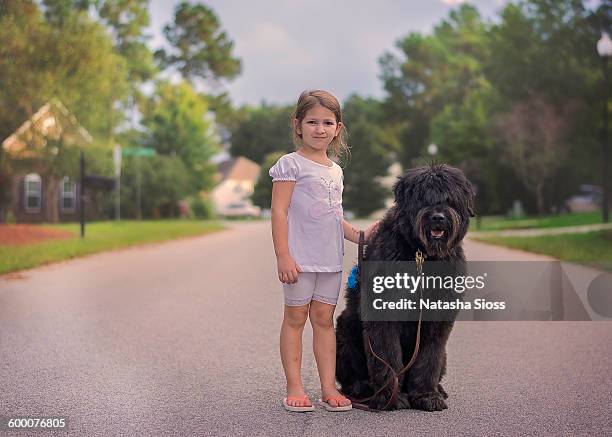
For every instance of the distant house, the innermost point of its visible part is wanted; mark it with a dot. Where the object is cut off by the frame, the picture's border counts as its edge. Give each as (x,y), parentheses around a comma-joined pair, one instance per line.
(237,178)
(35,194)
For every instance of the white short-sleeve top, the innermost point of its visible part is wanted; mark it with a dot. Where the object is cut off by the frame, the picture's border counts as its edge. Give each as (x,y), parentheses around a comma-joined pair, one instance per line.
(316,236)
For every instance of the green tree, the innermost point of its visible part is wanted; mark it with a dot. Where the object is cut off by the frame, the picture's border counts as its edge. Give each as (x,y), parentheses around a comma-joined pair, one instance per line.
(467,139)
(260,131)
(200,49)
(75,63)
(431,73)
(57,12)
(163,181)
(262,194)
(369,157)
(127,20)
(546,49)
(178,125)
(535,46)
(452,87)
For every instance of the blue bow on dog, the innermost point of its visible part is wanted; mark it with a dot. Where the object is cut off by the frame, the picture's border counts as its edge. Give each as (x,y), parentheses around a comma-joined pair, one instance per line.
(353,279)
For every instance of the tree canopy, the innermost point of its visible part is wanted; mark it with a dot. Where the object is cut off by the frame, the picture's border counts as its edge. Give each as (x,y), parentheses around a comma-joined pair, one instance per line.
(94,56)
(469,86)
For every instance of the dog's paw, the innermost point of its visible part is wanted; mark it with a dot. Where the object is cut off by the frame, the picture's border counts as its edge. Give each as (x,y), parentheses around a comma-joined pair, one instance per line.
(403,401)
(429,402)
(442,391)
(381,403)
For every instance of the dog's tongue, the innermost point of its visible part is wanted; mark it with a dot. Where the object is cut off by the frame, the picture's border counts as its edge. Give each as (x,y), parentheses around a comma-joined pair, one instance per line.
(437,234)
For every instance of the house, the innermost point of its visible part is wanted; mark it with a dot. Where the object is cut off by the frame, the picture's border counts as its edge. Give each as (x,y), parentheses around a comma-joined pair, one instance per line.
(237,179)
(35,194)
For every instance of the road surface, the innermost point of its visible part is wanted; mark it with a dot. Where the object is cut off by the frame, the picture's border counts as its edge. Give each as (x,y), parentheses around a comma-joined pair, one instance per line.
(181,338)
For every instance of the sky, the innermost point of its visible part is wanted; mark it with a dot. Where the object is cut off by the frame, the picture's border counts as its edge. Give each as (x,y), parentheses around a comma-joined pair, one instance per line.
(287,46)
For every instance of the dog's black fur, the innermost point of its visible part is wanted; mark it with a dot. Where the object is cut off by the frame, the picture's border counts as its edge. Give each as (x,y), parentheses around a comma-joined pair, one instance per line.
(428,200)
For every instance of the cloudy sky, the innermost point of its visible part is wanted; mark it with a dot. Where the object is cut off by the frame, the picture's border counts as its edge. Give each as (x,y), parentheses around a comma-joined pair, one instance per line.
(287,46)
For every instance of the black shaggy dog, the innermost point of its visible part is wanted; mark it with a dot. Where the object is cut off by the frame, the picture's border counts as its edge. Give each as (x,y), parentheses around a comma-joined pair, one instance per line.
(433,206)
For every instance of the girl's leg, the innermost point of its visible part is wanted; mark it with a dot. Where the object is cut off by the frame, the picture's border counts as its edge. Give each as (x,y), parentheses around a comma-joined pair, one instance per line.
(324,346)
(291,351)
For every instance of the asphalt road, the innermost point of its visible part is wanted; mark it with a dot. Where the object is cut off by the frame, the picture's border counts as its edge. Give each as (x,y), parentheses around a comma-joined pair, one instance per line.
(181,338)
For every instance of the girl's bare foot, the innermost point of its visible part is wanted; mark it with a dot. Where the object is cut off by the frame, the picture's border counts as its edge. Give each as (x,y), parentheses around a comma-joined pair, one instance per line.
(297,397)
(339,399)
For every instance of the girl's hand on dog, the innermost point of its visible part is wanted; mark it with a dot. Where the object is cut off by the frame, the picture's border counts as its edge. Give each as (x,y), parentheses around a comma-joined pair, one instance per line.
(287,269)
(370,230)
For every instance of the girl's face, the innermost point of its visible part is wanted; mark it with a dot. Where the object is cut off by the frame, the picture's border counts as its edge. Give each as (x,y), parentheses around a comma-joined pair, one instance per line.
(318,128)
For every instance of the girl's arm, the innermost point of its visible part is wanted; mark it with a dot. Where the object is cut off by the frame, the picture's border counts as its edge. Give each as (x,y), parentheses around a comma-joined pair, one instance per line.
(351,233)
(281,198)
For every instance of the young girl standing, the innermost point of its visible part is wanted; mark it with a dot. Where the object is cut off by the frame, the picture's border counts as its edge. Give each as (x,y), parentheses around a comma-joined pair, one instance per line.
(308,230)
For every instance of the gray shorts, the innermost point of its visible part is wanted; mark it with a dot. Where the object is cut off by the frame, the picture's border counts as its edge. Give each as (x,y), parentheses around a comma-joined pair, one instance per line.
(320,286)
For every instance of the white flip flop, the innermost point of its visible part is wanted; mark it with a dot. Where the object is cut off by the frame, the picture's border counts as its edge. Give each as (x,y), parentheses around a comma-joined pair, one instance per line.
(295,409)
(328,407)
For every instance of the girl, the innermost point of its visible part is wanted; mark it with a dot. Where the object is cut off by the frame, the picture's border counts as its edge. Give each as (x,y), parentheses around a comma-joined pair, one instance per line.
(308,231)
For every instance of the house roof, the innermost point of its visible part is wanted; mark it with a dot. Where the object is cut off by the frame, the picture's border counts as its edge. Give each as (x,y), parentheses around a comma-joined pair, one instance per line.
(23,142)
(240,168)
(224,167)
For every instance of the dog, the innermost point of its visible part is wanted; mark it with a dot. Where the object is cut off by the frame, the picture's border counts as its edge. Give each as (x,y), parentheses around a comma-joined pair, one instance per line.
(431,213)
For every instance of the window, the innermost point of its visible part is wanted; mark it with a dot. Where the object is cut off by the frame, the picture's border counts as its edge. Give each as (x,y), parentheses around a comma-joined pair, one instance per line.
(47,124)
(67,195)
(32,193)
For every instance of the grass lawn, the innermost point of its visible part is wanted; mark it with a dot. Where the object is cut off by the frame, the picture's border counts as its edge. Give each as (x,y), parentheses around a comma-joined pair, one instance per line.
(498,223)
(592,248)
(99,237)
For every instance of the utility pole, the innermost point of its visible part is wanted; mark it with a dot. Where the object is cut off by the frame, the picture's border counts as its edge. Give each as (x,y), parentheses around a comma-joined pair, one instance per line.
(82,195)
(604,49)
(117,160)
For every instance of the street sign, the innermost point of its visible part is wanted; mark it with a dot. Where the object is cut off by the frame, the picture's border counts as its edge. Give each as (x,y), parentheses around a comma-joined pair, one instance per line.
(138,151)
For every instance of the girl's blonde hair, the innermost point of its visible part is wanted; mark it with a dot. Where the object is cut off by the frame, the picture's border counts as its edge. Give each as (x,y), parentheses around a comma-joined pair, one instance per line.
(311,98)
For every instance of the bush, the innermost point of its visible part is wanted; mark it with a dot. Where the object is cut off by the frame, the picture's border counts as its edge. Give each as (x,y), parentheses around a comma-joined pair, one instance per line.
(202,209)
(164,182)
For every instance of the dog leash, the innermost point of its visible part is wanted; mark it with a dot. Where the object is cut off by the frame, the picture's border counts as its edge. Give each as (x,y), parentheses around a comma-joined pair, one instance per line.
(361,403)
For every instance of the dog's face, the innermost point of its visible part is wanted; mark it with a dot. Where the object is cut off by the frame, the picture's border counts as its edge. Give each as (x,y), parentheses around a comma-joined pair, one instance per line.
(434,204)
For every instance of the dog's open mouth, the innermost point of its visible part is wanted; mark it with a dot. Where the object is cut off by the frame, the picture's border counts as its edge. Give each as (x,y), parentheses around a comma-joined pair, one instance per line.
(437,234)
